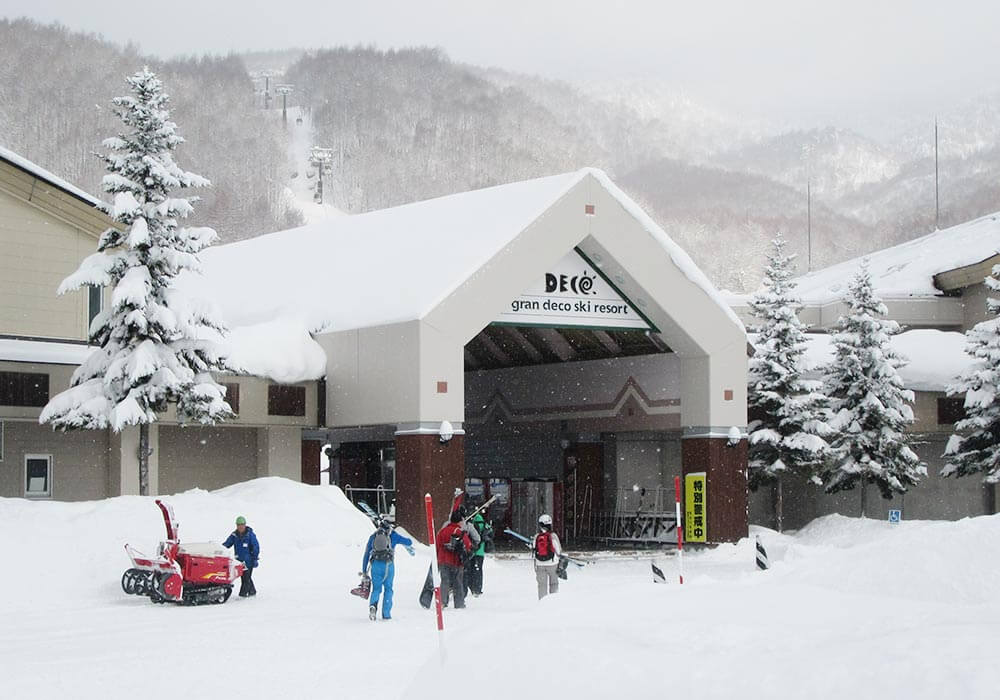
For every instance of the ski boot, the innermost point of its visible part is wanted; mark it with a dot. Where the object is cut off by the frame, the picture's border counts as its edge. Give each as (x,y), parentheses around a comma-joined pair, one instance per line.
(371,612)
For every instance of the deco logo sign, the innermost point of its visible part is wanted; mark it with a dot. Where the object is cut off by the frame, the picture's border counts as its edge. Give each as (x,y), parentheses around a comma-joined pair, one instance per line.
(573,293)
(577,284)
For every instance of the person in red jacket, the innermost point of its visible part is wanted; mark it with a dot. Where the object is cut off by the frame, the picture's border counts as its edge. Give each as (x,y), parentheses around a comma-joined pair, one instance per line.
(453,546)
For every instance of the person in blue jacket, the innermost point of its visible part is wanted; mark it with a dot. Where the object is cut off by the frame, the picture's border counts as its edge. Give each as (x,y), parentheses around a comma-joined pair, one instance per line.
(379,553)
(247,550)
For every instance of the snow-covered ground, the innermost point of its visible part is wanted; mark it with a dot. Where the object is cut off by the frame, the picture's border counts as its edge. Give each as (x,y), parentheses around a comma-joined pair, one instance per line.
(851,609)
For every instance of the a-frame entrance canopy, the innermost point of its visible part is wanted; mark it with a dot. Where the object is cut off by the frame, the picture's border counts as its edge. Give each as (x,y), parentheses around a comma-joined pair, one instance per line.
(394,296)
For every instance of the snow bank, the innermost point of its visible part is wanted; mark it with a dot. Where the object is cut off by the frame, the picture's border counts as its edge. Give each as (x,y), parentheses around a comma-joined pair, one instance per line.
(935,357)
(908,269)
(850,609)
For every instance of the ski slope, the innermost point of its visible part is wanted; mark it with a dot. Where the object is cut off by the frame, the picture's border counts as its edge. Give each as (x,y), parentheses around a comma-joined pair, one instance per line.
(299,190)
(850,609)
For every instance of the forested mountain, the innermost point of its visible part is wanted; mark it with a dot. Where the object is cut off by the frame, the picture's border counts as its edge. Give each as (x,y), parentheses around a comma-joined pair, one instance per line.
(56,88)
(411,124)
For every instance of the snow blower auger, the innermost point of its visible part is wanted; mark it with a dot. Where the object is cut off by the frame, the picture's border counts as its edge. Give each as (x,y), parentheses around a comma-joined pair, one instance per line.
(189,574)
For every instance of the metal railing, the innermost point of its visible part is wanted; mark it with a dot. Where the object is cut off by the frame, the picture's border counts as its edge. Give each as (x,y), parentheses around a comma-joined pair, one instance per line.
(379,499)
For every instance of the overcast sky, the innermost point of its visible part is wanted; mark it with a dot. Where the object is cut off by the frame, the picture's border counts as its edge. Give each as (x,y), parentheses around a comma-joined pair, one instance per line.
(788,59)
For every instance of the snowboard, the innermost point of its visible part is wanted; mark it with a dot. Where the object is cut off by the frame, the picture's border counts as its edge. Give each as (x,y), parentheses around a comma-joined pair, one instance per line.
(427,594)
(658,576)
(561,568)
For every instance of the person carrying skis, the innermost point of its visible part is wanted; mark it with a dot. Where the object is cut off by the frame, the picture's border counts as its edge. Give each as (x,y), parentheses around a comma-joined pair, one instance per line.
(547,551)
(476,541)
(453,546)
(379,552)
(474,566)
(247,550)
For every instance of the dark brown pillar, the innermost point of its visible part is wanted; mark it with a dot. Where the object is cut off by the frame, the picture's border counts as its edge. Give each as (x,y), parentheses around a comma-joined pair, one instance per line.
(726,483)
(426,465)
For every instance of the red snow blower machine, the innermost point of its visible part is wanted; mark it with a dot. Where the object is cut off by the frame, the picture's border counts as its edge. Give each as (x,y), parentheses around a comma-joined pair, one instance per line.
(190,574)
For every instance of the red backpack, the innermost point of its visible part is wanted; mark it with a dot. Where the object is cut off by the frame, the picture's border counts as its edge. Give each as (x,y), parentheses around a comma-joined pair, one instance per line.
(543,546)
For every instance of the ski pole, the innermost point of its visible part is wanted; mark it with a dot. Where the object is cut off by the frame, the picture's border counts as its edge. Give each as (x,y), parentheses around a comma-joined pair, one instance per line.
(680,529)
(436,575)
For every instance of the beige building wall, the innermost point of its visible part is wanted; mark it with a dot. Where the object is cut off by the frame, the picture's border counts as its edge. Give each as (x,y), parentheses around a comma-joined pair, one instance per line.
(373,376)
(279,452)
(253,404)
(974,305)
(79,465)
(39,252)
(206,457)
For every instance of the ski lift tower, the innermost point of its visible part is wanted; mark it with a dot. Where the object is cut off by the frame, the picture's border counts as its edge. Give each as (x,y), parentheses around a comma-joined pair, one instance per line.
(322,160)
(262,84)
(284,91)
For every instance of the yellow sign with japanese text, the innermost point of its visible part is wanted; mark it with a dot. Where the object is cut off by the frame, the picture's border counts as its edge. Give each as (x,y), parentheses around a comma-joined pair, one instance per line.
(695,507)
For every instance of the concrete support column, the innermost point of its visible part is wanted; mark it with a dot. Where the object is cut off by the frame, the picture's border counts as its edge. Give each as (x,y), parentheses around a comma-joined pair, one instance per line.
(726,483)
(279,451)
(426,465)
(123,464)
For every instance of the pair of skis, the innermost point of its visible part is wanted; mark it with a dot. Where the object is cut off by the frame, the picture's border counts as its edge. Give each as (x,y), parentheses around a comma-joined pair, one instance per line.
(530,542)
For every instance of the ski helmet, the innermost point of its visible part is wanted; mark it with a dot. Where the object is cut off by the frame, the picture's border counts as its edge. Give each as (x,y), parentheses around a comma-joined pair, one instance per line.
(545,520)
(385,523)
(240,520)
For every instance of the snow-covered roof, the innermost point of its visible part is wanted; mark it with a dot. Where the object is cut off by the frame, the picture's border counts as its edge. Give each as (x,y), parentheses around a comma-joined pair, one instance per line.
(281,350)
(391,265)
(45,352)
(935,357)
(43,174)
(908,269)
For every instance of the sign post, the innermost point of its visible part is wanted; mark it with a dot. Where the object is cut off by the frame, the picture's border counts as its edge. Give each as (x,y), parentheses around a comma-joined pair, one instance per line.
(696,506)
(680,529)
(437,575)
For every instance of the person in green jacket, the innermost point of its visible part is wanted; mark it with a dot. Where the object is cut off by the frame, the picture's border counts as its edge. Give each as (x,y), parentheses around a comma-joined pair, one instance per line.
(474,565)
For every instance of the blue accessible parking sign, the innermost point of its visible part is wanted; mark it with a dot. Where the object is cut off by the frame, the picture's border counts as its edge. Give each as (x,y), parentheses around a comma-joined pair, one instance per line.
(895,516)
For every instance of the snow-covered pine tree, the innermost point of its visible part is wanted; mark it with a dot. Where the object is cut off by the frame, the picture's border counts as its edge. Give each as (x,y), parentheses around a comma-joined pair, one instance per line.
(871,409)
(155,346)
(975,445)
(788,425)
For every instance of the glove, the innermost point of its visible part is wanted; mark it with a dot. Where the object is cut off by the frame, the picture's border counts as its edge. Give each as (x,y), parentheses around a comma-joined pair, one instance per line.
(409,548)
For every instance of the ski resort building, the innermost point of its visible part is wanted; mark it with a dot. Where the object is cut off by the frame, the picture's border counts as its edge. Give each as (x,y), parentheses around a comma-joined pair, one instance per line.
(544,342)
(933,287)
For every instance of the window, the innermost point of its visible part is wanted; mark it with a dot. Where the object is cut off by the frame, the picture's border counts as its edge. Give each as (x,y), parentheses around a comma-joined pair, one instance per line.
(284,400)
(24,389)
(233,395)
(38,476)
(95,301)
(950,410)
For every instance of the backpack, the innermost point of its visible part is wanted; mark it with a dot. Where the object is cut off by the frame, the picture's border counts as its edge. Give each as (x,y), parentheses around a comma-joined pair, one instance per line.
(456,544)
(543,546)
(382,546)
(486,534)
